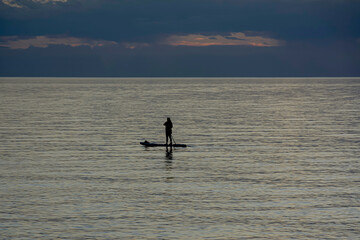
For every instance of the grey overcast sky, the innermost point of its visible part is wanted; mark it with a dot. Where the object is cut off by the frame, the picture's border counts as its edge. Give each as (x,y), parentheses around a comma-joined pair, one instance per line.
(180,38)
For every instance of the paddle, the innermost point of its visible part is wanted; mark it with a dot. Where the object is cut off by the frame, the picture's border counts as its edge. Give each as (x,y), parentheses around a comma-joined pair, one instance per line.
(173,139)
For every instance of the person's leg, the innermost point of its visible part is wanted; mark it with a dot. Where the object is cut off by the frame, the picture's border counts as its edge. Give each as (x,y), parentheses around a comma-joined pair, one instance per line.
(170,136)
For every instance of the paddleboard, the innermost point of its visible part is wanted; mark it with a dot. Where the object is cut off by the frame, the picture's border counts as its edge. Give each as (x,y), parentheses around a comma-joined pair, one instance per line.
(149,144)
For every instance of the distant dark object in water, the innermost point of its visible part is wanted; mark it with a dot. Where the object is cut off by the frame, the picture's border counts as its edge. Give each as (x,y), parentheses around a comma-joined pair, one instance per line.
(149,144)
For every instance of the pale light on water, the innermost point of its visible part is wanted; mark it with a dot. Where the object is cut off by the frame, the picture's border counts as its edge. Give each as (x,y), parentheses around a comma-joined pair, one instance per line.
(268,159)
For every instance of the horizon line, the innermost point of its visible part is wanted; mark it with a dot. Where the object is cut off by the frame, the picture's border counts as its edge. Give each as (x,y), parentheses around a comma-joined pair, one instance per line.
(152,77)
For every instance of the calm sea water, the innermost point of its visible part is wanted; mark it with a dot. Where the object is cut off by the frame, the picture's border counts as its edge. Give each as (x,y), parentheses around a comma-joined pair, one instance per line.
(268,159)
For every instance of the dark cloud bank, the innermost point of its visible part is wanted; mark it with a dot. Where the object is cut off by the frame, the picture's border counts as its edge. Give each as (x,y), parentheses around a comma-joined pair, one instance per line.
(213,38)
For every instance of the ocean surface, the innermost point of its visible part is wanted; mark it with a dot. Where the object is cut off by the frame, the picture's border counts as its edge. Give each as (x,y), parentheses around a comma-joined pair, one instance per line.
(267,158)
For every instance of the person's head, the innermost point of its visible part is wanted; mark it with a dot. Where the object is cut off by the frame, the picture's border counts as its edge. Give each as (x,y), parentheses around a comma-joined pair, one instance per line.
(168,119)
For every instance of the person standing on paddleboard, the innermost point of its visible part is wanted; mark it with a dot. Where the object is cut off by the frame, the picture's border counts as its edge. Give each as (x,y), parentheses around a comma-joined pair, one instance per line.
(168,130)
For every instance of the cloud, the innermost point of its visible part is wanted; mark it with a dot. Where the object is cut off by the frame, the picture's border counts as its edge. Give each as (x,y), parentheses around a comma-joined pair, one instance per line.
(234,39)
(133,45)
(11,3)
(48,1)
(14,42)
(23,3)
(193,40)
(146,21)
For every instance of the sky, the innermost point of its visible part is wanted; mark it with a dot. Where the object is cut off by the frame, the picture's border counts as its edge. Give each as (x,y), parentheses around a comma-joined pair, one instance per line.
(180,38)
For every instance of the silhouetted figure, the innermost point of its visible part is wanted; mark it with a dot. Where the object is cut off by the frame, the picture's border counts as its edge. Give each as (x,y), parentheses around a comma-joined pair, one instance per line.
(168,130)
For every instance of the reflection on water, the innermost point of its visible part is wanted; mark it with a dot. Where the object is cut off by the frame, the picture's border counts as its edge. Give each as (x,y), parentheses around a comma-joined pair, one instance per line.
(169,164)
(268,159)
(169,153)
